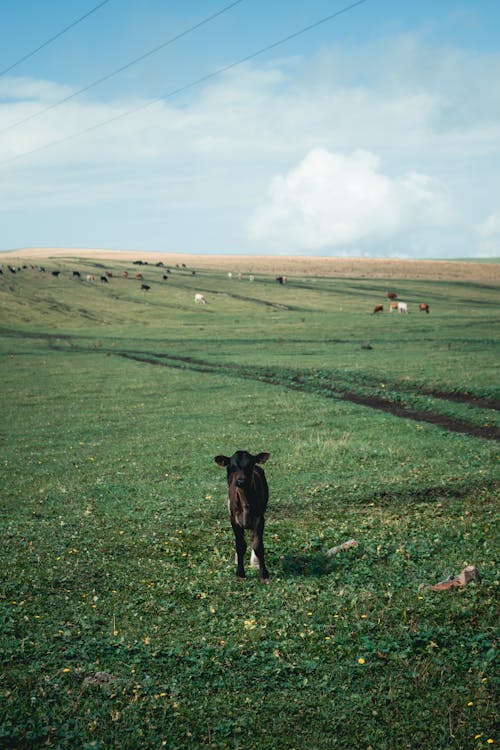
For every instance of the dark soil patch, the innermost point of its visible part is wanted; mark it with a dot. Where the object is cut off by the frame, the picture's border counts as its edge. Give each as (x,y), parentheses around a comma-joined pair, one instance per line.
(372,402)
(419,415)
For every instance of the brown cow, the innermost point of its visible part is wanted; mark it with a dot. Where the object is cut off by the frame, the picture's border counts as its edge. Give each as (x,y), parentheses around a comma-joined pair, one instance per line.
(139,276)
(378,308)
(424,307)
(393,306)
(248,495)
(125,274)
(392,295)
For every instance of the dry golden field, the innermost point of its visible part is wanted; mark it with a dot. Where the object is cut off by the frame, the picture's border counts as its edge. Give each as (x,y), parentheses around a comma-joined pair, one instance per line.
(437,270)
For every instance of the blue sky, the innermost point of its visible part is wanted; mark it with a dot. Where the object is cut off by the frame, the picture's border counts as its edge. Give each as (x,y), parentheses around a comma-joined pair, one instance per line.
(374,134)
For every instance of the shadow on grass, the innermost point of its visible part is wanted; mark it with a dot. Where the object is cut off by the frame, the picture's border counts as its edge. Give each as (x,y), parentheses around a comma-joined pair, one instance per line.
(313,564)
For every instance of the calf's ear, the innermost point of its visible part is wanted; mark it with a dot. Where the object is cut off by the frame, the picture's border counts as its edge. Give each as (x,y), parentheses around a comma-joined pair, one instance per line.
(261,458)
(221,460)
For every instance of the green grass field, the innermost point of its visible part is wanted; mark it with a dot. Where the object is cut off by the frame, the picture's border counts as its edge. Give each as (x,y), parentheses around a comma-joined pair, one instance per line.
(122,622)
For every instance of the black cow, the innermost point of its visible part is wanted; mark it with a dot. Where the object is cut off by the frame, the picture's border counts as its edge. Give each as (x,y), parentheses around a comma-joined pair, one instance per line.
(145,287)
(55,273)
(248,495)
(104,280)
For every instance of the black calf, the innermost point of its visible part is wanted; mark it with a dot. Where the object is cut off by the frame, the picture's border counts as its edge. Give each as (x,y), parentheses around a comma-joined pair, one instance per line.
(248,495)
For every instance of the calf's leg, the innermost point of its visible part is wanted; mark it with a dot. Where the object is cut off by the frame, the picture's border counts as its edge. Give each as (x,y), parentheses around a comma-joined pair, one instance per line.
(258,549)
(241,546)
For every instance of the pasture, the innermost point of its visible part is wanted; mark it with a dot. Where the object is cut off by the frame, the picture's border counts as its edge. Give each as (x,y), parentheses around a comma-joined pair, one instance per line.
(122,622)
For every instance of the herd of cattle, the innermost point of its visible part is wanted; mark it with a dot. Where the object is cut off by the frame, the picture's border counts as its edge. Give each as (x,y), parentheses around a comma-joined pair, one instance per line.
(104,277)
(394,305)
(400,307)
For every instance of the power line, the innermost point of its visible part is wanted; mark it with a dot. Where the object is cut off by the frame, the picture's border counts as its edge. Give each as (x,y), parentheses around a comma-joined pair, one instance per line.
(123,67)
(190,85)
(53,38)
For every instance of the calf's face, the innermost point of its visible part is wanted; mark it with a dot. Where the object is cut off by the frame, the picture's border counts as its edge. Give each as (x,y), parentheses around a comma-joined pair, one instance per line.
(240,466)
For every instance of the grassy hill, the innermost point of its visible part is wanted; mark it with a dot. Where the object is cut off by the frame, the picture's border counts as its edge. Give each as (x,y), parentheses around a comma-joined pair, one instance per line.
(122,621)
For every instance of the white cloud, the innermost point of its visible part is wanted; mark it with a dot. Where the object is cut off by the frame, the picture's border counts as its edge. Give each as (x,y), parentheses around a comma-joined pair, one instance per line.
(488,233)
(332,200)
(392,148)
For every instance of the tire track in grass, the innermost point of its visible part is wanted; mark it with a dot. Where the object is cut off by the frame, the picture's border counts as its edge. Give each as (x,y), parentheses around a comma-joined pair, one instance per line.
(373,402)
(273,378)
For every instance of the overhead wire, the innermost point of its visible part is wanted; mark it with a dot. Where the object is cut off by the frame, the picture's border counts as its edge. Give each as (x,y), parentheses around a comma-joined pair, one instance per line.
(123,67)
(53,38)
(192,84)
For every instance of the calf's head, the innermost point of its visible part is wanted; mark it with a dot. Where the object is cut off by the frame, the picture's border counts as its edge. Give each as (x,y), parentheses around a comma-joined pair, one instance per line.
(240,466)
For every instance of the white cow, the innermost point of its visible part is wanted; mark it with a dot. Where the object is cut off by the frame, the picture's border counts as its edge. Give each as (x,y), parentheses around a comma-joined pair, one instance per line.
(200,298)
(402,307)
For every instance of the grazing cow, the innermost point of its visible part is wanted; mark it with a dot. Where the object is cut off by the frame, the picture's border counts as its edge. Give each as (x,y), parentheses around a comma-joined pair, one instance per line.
(165,277)
(104,279)
(200,298)
(145,287)
(393,306)
(90,277)
(139,276)
(230,275)
(392,295)
(424,307)
(280,279)
(251,277)
(378,308)
(109,274)
(76,274)
(55,273)
(125,274)
(402,307)
(248,495)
